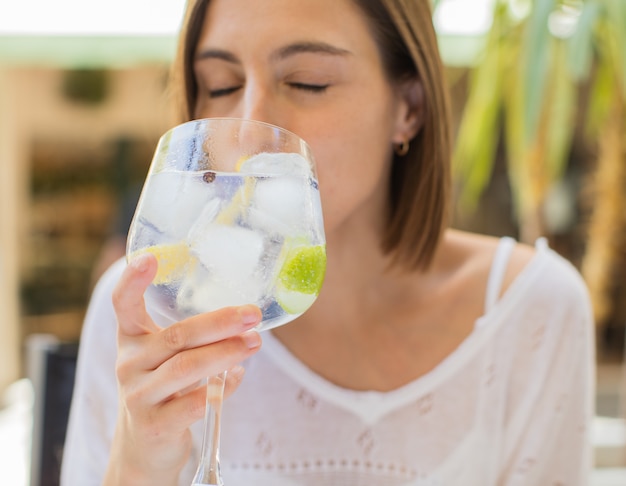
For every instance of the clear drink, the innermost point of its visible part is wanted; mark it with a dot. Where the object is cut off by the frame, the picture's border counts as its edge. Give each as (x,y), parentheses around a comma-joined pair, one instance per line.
(231,238)
(231,210)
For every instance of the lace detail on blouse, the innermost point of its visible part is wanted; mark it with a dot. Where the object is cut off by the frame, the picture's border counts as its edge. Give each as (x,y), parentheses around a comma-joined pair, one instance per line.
(511,406)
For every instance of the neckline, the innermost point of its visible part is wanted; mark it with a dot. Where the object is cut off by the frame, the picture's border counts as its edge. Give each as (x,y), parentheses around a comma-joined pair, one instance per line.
(371,405)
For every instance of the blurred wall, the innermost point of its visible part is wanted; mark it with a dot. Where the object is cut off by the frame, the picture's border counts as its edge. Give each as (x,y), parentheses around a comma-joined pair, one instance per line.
(39,108)
(12,176)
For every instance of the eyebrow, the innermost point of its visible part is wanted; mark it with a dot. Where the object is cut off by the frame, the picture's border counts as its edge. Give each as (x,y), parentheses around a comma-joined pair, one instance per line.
(309,47)
(217,54)
(280,54)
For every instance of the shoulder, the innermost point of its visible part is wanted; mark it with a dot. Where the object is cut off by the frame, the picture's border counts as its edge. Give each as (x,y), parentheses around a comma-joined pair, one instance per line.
(476,253)
(555,278)
(93,411)
(112,274)
(100,309)
(538,270)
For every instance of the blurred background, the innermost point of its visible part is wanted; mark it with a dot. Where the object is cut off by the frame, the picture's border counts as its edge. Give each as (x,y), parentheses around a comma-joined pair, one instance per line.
(539,105)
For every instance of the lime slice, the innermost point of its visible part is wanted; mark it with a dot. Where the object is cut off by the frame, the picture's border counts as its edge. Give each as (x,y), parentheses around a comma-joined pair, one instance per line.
(300,278)
(175,260)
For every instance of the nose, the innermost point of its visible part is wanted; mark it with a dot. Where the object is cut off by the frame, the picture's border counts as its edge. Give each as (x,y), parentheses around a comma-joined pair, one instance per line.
(258,103)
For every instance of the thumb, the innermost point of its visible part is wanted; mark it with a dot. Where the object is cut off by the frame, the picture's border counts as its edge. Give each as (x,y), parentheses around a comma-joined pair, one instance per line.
(128,301)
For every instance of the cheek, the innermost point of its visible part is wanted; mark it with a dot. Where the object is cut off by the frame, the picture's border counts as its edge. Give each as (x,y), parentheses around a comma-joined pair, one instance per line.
(352,166)
(351,144)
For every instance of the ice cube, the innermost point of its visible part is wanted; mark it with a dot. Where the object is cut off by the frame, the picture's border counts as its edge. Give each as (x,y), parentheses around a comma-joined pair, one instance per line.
(230,253)
(281,204)
(205,220)
(317,219)
(161,305)
(281,199)
(174,200)
(276,164)
(178,148)
(143,234)
(204,292)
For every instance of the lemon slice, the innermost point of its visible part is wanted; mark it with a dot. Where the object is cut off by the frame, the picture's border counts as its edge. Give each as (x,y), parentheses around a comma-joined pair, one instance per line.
(240,200)
(300,279)
(175,261)
(240,162)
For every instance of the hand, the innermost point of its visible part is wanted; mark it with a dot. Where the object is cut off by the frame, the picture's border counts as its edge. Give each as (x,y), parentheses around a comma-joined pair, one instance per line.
(159,372)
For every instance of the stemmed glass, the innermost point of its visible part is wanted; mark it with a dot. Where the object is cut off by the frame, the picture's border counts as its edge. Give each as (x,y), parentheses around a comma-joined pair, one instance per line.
(231,210)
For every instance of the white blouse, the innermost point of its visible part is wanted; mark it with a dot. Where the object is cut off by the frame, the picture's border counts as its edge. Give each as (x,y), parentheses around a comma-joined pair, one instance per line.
(512,405)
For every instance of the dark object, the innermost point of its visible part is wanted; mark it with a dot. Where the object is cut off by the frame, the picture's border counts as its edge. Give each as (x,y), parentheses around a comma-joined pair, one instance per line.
(88,86)
(52,369)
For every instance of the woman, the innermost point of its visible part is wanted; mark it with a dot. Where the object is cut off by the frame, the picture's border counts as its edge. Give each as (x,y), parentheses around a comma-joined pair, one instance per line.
(431,356)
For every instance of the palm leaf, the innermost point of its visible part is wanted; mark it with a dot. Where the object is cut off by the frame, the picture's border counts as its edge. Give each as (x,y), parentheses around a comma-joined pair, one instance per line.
(516,144)
(561,106)
(478,134)
(580,45)
(602,89)
(615,37)
(535,63)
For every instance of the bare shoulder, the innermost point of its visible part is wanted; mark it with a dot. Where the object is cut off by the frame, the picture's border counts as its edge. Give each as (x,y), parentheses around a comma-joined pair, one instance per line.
(478,251)
(521,256)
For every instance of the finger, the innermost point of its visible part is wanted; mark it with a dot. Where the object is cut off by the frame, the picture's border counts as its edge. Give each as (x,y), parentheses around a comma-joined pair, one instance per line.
(170,418)
(189,406)
(181,412)
(128,301)
(234,377)
(150,351)
(199,331)
(188,367)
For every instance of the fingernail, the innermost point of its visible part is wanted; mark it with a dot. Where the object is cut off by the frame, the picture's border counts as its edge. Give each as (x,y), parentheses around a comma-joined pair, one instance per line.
(249,315)
(140,263)
(236,372)
(252,339)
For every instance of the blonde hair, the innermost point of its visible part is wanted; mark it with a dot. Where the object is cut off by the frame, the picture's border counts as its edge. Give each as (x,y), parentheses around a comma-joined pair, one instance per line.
(419,191)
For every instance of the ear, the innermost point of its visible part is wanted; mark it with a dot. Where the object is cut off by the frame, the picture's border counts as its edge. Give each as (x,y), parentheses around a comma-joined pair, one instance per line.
(410,112)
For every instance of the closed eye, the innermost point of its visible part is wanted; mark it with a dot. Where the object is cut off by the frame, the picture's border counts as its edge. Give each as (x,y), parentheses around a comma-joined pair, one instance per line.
(216,93)
(313,88)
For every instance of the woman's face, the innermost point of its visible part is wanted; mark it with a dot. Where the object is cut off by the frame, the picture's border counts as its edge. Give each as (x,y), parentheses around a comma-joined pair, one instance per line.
(312,67)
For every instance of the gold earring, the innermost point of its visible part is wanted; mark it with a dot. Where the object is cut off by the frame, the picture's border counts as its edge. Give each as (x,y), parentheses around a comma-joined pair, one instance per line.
(401,149)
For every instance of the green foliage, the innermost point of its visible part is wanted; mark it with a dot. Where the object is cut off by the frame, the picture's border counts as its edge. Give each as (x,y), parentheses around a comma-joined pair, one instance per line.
(528,81)
(479,129)
(535,63)
(580,54)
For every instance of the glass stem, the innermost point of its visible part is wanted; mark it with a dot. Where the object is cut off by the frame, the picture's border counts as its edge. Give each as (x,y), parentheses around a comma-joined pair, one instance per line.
(209,469)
